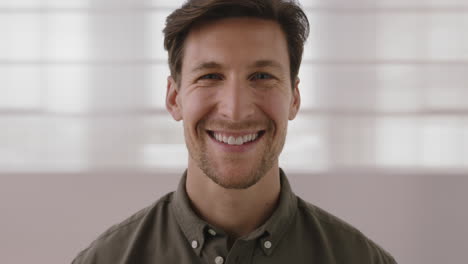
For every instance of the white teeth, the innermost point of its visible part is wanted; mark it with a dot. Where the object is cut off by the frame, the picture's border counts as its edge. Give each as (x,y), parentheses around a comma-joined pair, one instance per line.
(233,140)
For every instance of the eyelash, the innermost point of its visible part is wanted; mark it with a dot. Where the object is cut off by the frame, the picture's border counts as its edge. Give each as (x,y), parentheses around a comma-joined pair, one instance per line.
(253,76)
(269,76)
(204,77)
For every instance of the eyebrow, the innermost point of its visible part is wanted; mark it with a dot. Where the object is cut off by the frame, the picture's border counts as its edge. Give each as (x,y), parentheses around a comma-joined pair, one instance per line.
(207,66)
(267,63)
(210,65)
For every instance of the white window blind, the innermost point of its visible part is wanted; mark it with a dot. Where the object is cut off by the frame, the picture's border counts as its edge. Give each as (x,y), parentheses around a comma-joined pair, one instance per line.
(82,84)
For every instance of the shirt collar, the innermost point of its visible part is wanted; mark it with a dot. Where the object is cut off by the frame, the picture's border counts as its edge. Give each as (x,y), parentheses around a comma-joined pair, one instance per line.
(275,227)
(271,232)
(192,226)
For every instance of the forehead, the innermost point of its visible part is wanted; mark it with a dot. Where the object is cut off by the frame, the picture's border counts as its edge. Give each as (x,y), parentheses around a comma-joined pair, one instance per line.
(236,41)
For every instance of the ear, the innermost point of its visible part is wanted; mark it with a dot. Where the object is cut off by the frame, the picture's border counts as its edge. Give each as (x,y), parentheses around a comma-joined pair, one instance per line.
(295,101)
(172,101)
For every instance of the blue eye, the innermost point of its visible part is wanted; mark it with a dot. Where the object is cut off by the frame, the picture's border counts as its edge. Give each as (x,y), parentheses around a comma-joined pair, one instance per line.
(262,76)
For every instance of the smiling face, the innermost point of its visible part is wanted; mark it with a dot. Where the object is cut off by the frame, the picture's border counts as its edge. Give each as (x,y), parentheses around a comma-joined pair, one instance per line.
(235,99)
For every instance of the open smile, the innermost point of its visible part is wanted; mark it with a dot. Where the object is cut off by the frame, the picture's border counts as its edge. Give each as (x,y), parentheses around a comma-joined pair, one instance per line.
(236,139)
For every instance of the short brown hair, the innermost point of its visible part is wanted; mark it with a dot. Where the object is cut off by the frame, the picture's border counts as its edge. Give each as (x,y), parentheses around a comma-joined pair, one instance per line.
(287,13)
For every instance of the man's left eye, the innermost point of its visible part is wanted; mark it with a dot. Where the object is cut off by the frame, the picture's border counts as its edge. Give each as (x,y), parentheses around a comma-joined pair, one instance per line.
(261,76)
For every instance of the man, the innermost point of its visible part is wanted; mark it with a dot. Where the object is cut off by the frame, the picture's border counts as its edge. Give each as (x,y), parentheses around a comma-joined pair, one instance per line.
(234,84)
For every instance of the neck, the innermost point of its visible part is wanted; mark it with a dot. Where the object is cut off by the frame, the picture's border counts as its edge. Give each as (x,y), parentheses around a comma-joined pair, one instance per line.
(236,211)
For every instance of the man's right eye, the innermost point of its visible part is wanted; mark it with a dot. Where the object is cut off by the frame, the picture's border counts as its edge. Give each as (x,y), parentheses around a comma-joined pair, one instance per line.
(211,76)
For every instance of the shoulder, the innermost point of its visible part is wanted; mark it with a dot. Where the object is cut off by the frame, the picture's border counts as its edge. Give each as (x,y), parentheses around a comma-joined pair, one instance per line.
(344,240)
(120,236)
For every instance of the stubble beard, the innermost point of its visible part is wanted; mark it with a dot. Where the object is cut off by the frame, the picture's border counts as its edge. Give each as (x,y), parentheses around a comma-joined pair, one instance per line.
(215,171)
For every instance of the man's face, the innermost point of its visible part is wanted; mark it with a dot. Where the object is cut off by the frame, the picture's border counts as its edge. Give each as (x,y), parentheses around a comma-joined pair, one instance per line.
(235,99)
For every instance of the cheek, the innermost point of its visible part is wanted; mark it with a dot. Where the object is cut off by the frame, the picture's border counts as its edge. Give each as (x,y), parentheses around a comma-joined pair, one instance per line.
(195,106)
(277,107)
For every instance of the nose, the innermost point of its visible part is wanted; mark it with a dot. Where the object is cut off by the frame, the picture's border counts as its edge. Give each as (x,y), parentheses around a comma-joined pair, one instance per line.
(236,102)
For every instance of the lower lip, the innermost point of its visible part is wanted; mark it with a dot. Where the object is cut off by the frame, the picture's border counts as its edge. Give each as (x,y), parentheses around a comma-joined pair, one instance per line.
(236,148)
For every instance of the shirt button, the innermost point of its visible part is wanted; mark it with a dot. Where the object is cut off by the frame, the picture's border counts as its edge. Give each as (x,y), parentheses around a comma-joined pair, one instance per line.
(212,232)
(219,260)
(194,244)
(267,244)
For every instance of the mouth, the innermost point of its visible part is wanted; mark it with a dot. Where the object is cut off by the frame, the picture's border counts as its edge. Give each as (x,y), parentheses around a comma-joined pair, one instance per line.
(236,139)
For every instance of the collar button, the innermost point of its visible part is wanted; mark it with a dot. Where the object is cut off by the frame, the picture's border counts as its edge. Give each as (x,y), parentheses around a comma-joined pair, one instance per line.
(212,232)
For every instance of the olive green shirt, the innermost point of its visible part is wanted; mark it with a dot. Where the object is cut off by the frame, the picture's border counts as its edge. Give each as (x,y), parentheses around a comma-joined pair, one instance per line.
(170,232)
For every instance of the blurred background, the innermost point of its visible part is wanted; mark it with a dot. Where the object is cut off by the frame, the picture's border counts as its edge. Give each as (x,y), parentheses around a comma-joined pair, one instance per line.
(381,140)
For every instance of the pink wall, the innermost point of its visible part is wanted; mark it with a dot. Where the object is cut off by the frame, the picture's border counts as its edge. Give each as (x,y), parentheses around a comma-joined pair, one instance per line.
(420,219)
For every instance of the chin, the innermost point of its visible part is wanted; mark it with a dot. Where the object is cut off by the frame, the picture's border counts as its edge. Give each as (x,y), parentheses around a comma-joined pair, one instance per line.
(235,180)
(234,183)
(235,176)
